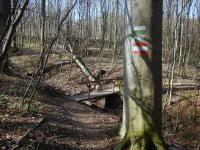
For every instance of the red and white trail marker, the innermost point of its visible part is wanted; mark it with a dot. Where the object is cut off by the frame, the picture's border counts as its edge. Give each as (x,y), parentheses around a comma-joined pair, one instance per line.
(141,45)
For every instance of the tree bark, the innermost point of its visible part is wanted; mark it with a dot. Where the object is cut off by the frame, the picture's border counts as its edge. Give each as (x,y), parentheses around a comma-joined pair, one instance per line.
(142,82)
(5,10)
(43,15)
(12,31)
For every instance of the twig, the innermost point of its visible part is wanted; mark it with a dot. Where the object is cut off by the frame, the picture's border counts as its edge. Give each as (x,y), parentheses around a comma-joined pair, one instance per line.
(111,69)
(17,146)
(42,62)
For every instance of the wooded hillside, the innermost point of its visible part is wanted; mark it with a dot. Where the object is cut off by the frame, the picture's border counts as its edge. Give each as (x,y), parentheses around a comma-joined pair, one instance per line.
(70,76)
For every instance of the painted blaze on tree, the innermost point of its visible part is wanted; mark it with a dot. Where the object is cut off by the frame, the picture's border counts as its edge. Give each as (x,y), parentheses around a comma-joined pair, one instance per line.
(141,45)
(142,100)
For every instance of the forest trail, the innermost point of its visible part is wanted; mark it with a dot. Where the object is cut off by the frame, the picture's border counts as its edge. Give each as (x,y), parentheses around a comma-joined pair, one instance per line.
(67,125)
(73,126)
(78,127)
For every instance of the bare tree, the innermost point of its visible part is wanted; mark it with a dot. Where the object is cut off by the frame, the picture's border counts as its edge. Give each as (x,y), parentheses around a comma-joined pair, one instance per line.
(11,31)
(43,17)
(142,82)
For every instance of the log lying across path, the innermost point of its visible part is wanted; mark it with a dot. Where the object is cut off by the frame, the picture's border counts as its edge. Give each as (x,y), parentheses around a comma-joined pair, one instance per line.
(95,94)
(111,96)
(104,99)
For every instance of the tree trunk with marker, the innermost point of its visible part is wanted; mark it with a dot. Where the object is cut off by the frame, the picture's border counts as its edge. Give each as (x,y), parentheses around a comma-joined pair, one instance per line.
(142,82)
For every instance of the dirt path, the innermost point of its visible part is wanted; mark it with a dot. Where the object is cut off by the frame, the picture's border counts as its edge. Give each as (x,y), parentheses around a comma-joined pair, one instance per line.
(68,125)
(75,127)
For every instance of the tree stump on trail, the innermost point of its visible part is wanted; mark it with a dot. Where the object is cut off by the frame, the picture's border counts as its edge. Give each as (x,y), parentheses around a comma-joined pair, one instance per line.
(113,101)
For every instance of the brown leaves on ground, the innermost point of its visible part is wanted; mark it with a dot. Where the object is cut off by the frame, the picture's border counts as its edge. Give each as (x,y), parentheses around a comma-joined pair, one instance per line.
(69,125)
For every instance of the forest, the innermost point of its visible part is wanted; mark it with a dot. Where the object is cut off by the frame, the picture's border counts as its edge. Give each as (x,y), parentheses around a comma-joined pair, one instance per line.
(99,74)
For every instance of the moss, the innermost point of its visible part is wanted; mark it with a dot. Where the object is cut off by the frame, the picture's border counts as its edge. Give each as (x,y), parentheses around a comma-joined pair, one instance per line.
(124,142)
(140,133)
(143,142)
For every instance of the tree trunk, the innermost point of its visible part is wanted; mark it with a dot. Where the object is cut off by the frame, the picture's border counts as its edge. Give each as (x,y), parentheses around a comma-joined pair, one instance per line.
(5,10)
(142,82)
(43,14)
(175,49)
(12,30)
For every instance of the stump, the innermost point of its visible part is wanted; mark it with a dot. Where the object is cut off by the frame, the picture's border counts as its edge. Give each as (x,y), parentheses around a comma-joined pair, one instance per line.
(113,101)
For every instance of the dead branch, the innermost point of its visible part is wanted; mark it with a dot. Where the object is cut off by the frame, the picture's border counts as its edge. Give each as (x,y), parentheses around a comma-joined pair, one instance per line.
(19,143)
(82,66)
(42,62)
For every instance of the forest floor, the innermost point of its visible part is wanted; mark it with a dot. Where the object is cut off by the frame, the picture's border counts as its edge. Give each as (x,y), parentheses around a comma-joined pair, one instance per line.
(56,122)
